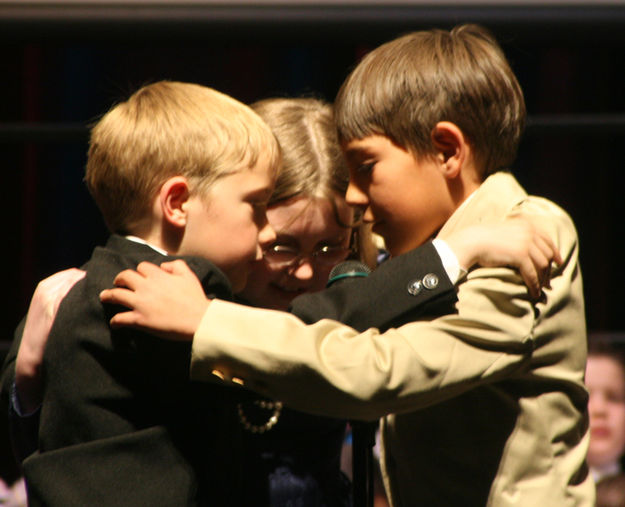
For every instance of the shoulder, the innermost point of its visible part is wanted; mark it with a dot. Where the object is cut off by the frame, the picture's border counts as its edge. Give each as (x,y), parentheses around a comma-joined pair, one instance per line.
(550,217)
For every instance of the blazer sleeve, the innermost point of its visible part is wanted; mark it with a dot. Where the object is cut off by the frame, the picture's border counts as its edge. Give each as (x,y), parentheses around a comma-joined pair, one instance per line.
(23,430)
(8,367)
(329,368)
(400,290)
(332,369)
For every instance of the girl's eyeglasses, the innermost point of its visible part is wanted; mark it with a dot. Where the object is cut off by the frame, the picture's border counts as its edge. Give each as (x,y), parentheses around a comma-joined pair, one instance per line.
(281,256)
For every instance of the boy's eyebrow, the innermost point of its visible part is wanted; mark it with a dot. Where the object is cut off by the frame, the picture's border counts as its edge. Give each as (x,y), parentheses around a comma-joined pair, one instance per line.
(355,152)
(284,237)
(260,193)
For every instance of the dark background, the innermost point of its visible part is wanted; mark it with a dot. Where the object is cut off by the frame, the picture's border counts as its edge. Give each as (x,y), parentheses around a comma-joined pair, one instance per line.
(61,66)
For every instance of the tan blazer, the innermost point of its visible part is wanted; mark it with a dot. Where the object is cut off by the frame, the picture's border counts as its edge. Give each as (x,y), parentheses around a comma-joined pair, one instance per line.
(487,406)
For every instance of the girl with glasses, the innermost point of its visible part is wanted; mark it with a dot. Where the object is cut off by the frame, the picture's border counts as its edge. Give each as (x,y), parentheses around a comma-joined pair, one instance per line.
(292,458)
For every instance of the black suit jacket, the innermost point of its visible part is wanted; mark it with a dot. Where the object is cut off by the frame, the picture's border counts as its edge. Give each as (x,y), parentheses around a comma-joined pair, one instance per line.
(121,424)
(392,295)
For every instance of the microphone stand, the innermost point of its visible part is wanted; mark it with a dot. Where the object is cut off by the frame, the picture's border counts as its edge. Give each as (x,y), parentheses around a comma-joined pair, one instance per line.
(363,441)
(363,433)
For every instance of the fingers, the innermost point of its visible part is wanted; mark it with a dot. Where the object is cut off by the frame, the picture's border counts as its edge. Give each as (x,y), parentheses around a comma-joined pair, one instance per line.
(130,278)
(177,267)
(542,265)
(535,268)
(548,247)
(117,296)
(133,280)
(537,272)
(542,253)
(125,319)
(122,297)
(541,257)
(158,299)
(531,277)
(146,268)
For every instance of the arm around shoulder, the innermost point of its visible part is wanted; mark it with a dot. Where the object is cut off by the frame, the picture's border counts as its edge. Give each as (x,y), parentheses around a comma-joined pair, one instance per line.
(401,289)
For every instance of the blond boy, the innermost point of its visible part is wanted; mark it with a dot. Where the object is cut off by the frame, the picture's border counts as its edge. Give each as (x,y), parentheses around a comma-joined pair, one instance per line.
(174,170)
(482,407)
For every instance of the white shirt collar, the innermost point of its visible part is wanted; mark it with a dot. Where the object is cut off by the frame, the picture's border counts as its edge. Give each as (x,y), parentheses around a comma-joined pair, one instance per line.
(606,470)
(144,242)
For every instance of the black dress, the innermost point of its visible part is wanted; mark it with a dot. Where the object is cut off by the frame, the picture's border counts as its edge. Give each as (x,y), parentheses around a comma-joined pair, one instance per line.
(295,463)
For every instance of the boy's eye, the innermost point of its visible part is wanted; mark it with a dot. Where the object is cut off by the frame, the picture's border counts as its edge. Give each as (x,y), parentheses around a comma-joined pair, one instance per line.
(259,210)
(365,167)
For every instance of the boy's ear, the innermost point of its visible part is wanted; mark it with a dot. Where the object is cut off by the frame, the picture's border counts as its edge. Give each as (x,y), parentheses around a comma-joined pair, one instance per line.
(174,194)
(451,146)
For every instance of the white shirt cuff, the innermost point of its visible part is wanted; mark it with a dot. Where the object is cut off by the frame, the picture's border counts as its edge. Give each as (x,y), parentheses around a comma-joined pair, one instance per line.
(450,262)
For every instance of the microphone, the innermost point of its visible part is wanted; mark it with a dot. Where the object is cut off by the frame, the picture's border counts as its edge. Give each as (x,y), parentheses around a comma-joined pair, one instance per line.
(346,270)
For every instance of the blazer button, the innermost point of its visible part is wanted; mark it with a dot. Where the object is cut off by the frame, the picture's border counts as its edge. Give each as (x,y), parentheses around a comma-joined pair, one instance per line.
(414,287)
(430,281)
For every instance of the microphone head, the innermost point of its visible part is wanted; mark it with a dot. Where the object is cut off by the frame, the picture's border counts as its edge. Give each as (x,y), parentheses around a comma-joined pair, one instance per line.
(348,269)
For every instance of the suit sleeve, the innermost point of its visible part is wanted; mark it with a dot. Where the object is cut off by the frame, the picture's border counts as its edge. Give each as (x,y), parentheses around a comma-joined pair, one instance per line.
(23,430)
(403,289)
(332,369)
(8,370)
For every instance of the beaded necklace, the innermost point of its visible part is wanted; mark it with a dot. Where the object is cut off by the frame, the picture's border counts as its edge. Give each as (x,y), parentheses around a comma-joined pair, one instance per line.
(274,406)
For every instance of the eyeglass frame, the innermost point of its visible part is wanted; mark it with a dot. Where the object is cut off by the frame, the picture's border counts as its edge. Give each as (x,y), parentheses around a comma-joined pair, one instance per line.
(316,256)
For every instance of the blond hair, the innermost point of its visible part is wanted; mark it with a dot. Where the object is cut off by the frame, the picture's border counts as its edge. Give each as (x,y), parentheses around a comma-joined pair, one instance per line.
(168,129)
(405,87)
(312,159)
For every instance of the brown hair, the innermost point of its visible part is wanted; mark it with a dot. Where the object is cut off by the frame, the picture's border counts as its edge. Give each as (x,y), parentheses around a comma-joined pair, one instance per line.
(312,160)
(405,87)
(167,129)
(609,345)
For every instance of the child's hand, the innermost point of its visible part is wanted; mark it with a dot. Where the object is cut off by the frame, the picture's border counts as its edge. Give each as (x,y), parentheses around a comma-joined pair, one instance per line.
(515,242)
(41,314)
(167,301)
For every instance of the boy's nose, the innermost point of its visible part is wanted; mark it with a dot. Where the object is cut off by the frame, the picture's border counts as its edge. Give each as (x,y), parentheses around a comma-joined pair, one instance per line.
(355,196)
(266,236)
